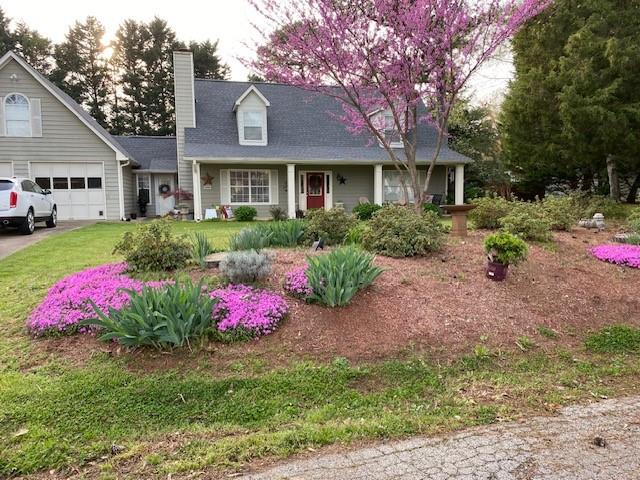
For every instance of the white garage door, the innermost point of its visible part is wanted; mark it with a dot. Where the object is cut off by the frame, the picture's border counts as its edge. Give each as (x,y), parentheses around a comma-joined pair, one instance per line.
(6,169)
(78,188)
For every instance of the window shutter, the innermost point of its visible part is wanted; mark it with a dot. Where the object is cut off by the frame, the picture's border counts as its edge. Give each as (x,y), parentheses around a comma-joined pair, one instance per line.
(274,189)
(3,126)
(225,198)
(36,118)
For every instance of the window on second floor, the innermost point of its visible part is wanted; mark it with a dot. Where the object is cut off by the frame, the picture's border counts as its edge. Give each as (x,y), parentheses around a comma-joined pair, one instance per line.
(17,116)
(253,125)
(391,133)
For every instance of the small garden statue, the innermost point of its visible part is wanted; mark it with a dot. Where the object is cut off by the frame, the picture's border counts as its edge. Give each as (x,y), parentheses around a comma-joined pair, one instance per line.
(596,222)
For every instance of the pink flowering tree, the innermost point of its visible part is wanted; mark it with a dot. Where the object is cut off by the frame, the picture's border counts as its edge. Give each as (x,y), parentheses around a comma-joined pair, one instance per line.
(384,59)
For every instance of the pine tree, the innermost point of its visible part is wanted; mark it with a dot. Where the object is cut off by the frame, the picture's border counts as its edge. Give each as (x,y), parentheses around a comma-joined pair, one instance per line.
(206,61)
(6,36)
(129,46)
(82,69)
(36,49)
(160,42)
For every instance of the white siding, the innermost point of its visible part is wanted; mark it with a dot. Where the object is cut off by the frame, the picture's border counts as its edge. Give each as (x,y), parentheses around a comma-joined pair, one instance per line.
(64,137)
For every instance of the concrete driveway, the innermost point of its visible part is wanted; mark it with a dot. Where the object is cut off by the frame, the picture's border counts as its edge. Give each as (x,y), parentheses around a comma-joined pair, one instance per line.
(11,240)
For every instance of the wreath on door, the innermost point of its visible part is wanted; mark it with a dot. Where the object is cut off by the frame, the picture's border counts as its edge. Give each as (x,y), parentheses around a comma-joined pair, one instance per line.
(164,189)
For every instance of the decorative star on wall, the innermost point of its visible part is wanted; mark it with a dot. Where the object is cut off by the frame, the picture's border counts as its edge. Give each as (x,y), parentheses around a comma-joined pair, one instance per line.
(341,179)
(207,179)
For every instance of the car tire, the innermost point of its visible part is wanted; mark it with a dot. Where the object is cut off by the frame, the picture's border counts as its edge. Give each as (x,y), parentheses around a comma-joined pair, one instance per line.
(29,224)
(52,221)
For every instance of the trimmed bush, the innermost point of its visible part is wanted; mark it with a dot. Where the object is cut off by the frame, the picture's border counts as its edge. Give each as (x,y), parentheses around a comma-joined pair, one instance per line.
(364,211)
(528,221)
(336,277)
(246,266)
(154,247)
(489,211)
(161,318)
(245,213)
(397,231)
(330,225)
(250,239)
(562,212)
(430,207)
(505,248)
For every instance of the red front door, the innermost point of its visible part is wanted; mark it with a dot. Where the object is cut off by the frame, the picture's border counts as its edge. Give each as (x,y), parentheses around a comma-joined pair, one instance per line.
(315,190)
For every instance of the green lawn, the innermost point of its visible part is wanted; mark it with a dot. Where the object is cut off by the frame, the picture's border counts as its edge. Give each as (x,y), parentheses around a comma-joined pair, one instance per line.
(54,414)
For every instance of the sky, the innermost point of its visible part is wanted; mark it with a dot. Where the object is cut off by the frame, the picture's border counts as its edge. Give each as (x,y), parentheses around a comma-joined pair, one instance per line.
(230,21)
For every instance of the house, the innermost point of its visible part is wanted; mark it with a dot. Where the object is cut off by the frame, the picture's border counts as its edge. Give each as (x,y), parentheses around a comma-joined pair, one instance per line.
(236,143)
(267,144)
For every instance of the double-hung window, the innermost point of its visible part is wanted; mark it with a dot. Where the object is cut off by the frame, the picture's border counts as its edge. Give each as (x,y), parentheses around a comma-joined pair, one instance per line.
(391,134)
(253,123)
(250,186)
(17,116)
(392,190)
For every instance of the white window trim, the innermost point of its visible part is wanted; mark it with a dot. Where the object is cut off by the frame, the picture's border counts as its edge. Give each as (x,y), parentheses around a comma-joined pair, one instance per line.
(6,119)
(262,170)
(243,141)
(151,191)
(385,173)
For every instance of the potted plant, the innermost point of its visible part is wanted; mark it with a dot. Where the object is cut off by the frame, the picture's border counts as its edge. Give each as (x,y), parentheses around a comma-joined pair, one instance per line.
(503,249)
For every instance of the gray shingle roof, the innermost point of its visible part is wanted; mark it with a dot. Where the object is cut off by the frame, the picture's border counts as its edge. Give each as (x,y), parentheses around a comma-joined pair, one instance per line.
(300,126)
(157,154)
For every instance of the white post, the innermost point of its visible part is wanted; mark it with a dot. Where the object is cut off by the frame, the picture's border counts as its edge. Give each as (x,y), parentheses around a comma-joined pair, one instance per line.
(459,181)
(377,184)
(291,190)
(197,196)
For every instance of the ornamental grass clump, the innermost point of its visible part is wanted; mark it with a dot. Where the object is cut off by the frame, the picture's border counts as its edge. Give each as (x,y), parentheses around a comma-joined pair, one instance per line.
(296,283)
(250,239)
(201,248)
(336,277)
(242,311)
(626,255)
(68,301)
(287,233)
(162,318)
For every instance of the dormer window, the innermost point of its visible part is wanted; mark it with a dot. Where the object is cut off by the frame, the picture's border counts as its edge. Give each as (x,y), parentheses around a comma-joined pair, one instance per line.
(253,126)
(391,134)
(251,113)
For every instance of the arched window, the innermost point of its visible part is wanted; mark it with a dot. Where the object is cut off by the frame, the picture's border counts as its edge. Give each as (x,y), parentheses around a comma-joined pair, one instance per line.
(17,115)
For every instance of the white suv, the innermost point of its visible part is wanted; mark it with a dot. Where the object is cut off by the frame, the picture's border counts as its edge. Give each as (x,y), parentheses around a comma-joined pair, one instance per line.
(23,203)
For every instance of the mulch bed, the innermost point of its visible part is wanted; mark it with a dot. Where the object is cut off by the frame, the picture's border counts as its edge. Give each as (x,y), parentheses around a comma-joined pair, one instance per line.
(441,304)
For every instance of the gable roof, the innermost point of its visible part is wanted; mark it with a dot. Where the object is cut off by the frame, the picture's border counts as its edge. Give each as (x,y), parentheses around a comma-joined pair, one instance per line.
(153,154)
(71,104)
(301,126)
(252,88)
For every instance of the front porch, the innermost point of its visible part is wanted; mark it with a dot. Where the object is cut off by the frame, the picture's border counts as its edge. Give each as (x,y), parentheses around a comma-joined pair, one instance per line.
(302,186)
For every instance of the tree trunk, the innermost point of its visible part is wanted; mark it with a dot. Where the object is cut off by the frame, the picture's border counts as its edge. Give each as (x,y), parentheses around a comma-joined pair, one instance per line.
(614,180)
(633,190)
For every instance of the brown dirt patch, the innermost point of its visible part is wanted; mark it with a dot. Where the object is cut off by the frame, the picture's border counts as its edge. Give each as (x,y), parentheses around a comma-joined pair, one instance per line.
(441,304)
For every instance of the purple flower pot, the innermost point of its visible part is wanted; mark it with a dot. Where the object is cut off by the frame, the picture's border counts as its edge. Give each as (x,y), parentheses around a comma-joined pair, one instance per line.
(496,271)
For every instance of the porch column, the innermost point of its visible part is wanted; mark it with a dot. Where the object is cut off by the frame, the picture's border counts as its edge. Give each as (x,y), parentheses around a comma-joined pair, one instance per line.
(459,185)
(377,184)
(197,196)
(291,190)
